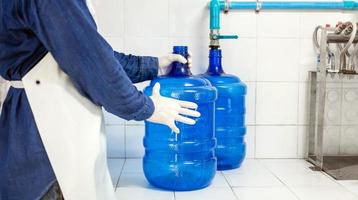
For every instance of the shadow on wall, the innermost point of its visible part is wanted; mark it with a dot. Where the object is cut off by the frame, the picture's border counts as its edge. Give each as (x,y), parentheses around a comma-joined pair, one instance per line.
(3,91)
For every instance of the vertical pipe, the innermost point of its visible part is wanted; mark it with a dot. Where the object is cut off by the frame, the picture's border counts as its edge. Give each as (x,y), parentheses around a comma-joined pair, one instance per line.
(215,14)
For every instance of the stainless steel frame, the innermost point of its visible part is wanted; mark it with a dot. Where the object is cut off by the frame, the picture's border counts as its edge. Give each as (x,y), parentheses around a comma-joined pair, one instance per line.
(317,112)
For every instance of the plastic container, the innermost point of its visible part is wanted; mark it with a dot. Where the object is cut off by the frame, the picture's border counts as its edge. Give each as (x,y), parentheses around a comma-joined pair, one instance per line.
(230,126)
(185,161)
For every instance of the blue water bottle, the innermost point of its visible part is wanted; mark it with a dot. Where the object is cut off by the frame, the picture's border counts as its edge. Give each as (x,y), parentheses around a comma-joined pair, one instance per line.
(230,108)
(185,161)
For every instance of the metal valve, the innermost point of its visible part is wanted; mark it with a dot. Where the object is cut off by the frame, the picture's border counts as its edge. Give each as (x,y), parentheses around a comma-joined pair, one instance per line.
(215,38)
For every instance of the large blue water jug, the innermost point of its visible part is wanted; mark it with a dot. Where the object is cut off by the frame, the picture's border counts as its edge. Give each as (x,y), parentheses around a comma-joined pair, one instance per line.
(185,161)
(230,126)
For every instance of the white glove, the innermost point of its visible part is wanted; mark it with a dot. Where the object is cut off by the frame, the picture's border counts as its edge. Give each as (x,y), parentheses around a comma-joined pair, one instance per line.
(168,110)
(166,61)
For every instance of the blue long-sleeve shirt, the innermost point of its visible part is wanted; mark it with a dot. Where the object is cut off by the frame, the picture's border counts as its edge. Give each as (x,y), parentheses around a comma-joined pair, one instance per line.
(29,29)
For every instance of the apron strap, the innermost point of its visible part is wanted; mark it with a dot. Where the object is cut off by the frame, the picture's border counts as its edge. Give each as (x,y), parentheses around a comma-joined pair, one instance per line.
(17,84)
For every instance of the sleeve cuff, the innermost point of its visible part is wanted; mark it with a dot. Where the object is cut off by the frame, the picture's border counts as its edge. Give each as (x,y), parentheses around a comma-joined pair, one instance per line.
(147,111)
(149,67)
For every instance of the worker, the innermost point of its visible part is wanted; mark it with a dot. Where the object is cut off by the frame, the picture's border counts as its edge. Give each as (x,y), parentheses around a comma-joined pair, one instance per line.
(62,72)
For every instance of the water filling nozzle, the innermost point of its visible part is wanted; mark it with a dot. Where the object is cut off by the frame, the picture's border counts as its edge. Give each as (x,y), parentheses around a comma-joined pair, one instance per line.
(215,8)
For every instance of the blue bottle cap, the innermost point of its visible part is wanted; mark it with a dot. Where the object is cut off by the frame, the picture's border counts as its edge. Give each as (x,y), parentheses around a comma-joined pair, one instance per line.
(182,50)
(180,69)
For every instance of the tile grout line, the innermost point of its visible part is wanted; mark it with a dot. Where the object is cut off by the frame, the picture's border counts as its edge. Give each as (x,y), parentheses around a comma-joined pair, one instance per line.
(298,122)
(117,184)
(298,84)
(256,82)
(231,187)
(325,174)
(285,185)
(341,118)
(341,185)
(338,183)
(125,141)
(124,14)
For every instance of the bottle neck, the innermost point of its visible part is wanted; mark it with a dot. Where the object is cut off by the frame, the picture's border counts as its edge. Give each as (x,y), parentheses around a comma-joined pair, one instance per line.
(180,69)
(215,60)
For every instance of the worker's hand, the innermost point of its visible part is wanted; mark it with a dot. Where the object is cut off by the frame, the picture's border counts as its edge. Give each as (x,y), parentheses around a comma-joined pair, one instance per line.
(166,61)
(168,110)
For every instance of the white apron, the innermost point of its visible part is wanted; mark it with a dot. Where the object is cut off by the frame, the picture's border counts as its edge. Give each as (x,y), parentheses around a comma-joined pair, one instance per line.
(71,130)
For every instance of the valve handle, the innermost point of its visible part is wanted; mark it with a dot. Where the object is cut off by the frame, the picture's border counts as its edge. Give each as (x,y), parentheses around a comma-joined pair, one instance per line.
(234,37)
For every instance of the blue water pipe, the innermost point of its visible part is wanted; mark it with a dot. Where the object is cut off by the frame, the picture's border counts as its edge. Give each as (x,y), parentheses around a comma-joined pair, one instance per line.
(216,6)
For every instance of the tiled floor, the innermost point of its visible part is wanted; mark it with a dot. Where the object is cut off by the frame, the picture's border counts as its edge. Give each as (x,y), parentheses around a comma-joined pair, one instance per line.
(255,180)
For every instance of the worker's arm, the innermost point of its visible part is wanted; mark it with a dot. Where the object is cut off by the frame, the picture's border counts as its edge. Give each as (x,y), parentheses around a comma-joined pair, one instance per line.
(67,30)
(138,68)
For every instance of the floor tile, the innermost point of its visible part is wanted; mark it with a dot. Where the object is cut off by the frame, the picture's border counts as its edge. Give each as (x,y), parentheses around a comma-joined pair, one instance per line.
(251,174)
(294,172)
(287,165)
(134,180)
(276,179)
(305,179)
(143,194)
(264,193)
(351,186)
(115,167)
(219,181)
(259,179)
(324,193)
(132,176)
(133,166)
(249,165)
(207,194)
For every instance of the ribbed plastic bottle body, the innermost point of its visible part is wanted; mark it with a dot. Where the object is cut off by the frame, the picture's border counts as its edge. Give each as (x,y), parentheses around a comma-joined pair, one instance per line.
(230,129)
(185,161)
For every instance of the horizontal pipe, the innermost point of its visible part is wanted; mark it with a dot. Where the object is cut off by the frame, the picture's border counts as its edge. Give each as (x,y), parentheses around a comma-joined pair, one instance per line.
(334,38)
(217,5)
(298,5)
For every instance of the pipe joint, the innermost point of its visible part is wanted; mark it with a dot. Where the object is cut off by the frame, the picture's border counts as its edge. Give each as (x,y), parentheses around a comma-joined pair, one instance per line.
(258,6)
(227,6)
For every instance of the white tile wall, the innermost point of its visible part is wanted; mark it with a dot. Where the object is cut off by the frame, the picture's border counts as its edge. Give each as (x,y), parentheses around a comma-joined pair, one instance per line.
(276,141)
(115,141)
(276,103)
(134,141)
(110,24)
(146,18)
(273,55)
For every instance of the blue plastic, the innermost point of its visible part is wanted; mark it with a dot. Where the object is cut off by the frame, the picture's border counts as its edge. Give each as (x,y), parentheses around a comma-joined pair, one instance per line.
(215,9)
(295,5)
(179,69)
(234,37)
(185,161)
(230,114)
(287,5)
